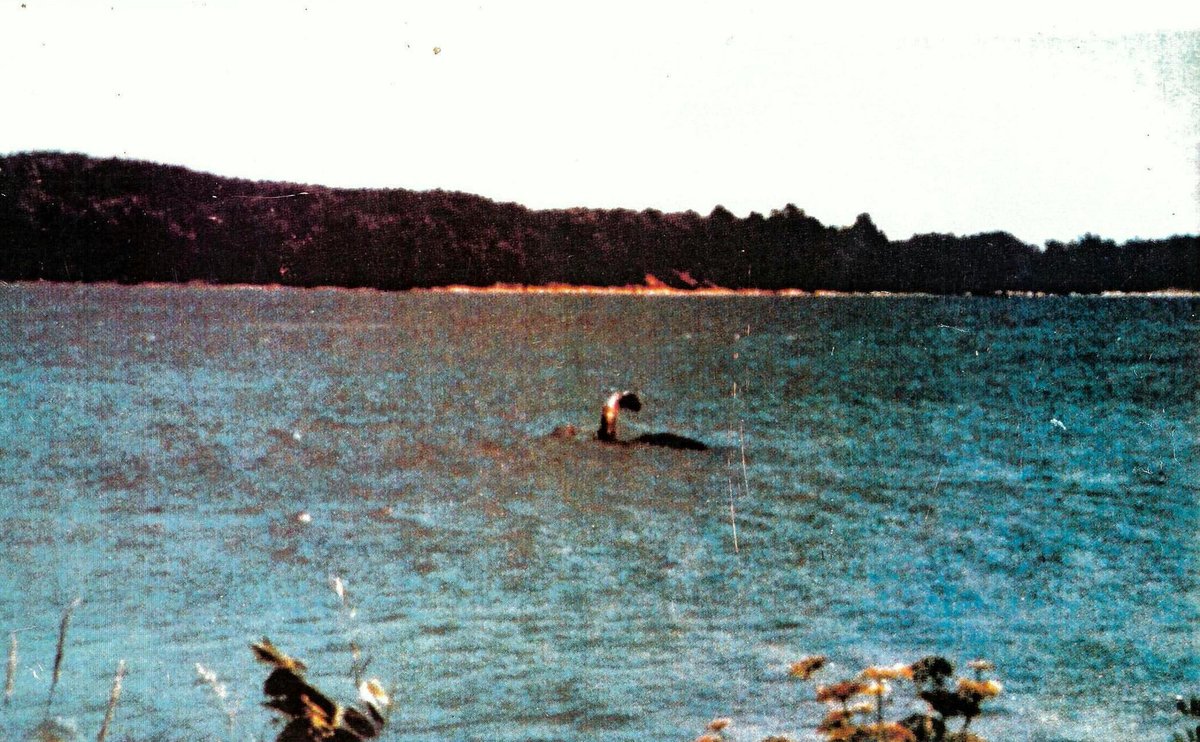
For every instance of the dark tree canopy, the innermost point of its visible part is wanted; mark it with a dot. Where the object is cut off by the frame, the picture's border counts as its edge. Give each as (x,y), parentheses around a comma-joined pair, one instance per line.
(72,218)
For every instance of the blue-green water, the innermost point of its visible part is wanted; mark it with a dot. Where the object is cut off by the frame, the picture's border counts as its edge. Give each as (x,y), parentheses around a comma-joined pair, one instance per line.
(1013,479)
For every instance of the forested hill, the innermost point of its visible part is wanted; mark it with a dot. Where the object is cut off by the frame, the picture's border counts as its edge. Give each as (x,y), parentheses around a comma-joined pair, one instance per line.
(74,218)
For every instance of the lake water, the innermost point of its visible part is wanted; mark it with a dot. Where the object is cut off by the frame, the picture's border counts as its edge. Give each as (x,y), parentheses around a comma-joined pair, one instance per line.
(1013,479)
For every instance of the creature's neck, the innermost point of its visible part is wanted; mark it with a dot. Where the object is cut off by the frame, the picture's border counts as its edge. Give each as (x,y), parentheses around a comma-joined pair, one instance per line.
(608,419)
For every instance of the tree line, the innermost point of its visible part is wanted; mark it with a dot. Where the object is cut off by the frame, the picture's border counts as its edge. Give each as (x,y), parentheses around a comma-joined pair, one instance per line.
(67,217)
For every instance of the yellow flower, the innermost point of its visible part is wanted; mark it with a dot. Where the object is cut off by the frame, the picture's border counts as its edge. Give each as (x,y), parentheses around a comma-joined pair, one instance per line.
(979,689)
(805,668)
(895,672)
(837,734)
(268,653)
(835,718)
(840,692)
(889,731)
(878,688)
(372,692)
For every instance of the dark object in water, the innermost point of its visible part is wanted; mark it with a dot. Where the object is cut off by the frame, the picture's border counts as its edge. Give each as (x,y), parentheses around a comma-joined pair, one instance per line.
(1188,708)
(924,728)
(670,440)
(607,433)
(932,671)
(948,703)
(312,716)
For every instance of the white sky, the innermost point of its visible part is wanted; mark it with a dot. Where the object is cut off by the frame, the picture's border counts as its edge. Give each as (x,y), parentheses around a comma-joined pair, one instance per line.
(1045,119)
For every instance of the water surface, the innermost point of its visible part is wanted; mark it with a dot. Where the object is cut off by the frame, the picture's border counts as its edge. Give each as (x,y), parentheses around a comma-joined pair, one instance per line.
(1014,479)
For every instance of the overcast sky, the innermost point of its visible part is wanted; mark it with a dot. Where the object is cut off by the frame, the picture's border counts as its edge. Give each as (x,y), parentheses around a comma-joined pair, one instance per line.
(1046,119)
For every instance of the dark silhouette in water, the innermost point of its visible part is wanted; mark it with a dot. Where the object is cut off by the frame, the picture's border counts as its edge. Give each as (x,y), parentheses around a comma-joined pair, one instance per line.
(310,713)
(607,433)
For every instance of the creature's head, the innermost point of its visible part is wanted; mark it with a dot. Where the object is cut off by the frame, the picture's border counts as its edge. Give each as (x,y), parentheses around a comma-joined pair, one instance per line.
(625,401)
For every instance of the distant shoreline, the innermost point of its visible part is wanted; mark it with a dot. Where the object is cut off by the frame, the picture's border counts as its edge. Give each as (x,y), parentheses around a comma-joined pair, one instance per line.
(71,218)
(630,290)
(788,293)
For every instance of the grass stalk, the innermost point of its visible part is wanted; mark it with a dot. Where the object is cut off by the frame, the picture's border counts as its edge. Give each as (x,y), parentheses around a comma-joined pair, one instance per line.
(113,697)
(733,517)
(742,445)
(10,677)
(208,677)
(60,650)
(10,681)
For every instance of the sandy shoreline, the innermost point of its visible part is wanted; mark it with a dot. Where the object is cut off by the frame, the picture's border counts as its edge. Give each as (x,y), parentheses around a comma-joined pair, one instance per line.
(628,290)
(819,293)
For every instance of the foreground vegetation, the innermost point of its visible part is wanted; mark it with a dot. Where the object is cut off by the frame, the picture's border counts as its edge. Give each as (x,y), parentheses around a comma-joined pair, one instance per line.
(857,708)
(73,218)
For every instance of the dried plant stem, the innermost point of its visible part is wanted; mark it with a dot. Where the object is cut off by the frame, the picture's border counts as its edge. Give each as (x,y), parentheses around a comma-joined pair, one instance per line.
(60,650)
(733,517)
(742,444)
(10,678)
(745,480)
(358,665)
(113,697)
(219,691)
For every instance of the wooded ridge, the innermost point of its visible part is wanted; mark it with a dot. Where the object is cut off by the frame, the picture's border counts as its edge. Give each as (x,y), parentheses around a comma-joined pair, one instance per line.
(67,217)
